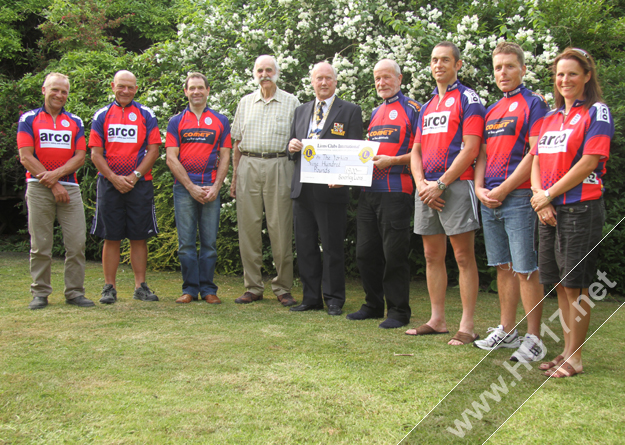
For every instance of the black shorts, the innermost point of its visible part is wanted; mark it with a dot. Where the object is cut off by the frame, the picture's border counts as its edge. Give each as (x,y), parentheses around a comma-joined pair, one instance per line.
(564,252)
(124,215)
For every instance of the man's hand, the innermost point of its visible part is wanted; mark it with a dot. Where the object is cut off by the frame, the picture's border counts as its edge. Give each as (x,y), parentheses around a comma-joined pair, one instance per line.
(539,201)
(233,187)
(430,194)
(198,193)
(382,161)
(60,194)
(210,193)
(547,215)
(295,145)
(483,194)
(335,186)
(123,184)
(48,178)
(498,194)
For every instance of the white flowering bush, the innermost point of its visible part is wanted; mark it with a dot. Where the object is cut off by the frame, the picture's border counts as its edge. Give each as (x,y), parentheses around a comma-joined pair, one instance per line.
(222,40)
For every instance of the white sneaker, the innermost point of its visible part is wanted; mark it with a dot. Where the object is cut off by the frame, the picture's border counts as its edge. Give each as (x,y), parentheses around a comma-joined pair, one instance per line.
(498,339)
(532,349)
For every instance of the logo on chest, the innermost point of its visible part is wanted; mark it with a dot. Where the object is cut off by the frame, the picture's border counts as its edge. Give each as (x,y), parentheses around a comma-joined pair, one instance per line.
(338,129)
(436,122)
(55,139)
(125,134)
(554,142)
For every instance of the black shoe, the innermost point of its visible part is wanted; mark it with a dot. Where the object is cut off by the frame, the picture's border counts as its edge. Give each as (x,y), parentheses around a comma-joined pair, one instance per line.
(307,307)
(391,323)
(144,293)
(362,315)
(334,310)
(38,303)
(109,294)
(81,301)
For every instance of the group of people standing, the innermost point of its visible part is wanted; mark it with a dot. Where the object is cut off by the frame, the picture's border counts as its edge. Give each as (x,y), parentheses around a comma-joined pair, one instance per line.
(517,158)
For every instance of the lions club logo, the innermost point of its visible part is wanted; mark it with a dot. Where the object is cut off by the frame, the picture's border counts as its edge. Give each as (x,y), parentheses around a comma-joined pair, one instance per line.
(309,152)
(365,155)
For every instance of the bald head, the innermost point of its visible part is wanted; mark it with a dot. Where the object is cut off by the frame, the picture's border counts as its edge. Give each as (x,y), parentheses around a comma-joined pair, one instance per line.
(125,87)
(323,80)
(387,77)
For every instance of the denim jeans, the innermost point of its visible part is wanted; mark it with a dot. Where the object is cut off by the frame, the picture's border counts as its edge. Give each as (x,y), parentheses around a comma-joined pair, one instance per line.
(197,270)
(509,232)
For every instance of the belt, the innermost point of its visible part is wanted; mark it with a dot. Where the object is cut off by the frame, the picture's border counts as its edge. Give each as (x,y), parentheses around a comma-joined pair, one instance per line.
(264,155)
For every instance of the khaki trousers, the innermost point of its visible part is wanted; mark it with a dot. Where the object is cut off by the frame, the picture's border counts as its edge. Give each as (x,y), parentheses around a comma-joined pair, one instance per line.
(265,183)
(42,210)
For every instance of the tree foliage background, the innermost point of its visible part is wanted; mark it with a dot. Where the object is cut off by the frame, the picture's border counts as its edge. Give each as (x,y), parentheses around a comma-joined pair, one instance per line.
(162,40)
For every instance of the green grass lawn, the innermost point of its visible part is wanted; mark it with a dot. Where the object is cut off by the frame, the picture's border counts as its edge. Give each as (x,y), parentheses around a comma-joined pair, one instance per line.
(158,373)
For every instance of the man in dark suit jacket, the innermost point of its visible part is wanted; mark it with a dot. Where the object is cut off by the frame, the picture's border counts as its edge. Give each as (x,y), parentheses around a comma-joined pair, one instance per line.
(320,210)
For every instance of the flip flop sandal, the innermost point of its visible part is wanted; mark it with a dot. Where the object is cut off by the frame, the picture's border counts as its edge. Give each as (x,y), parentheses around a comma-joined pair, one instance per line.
(425,329)
(465,338)
(552,364)
(566,370)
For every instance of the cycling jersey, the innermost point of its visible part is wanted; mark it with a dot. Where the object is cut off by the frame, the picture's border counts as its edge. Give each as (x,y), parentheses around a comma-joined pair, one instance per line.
(510,123)
(562,142)
(54,141)
(442,125)
(124,133)
(394,124)
(199,142)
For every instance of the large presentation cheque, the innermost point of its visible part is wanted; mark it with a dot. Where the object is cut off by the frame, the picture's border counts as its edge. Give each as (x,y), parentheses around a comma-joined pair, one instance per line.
(344,162)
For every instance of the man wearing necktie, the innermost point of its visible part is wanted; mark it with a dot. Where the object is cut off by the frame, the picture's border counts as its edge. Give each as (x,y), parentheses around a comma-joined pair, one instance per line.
(320,210)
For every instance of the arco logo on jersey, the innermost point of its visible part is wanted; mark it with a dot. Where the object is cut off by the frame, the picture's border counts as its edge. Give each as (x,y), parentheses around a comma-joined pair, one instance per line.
(125,134)
(554,142)
(55,139)
(436,122)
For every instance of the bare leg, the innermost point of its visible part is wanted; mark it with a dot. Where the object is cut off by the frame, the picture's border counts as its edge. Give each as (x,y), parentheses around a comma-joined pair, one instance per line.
(435,248)
(578,324)
(509,293)
(139,260)
(532,294)
(463,245)
(110,260)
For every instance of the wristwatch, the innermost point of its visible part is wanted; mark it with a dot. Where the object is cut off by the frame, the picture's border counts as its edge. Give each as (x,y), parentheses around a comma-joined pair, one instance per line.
(548,195)
(441,184)
(138,174)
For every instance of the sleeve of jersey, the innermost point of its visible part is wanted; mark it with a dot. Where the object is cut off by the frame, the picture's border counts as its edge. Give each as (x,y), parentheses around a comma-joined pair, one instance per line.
(236,124)
(25,137)
(473,122)
(226,139)
(173,138)
(154,134)
(599,132)
(414,118)
(79,140)
(96,137)
(417,136)
(538,110)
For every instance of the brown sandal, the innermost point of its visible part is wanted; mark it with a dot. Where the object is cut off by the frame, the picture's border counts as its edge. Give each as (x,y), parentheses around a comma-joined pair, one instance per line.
(552,364)
(566,370)
(465,338)
(424,329)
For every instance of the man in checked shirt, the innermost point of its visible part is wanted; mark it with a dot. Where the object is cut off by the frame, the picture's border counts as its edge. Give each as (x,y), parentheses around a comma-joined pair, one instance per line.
(261,181)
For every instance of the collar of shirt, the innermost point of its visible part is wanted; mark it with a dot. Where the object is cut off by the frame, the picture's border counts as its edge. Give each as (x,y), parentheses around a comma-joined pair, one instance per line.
(514,92)
(450,87)
(395,98)
(43,108)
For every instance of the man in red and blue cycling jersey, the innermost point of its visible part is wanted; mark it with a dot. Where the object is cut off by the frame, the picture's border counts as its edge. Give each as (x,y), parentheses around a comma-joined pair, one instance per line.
(502,184)
(385,208)
(124,145)
(198,153)
(447,142)
(51,143)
